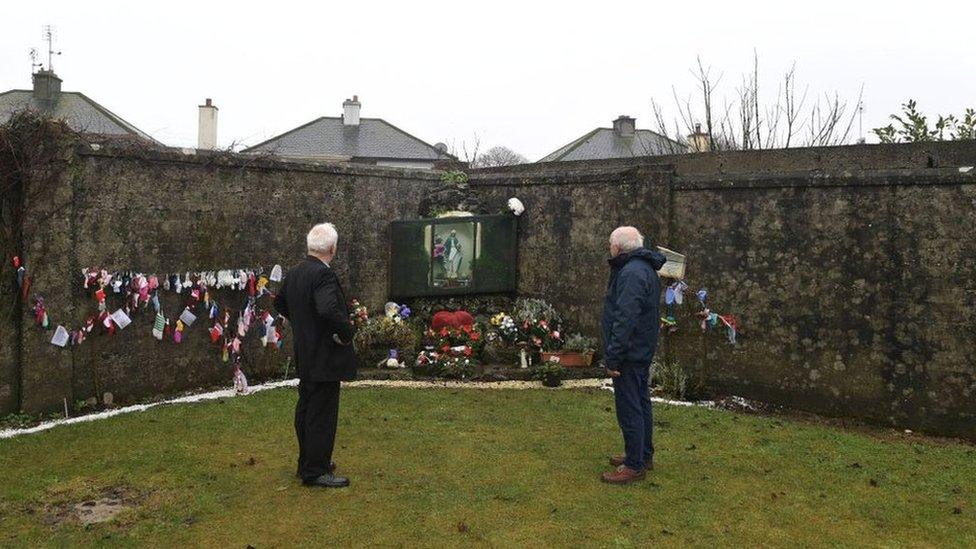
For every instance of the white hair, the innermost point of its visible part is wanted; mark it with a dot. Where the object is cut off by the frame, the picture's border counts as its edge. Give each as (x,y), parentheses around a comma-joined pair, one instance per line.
(322,239)
(627,239)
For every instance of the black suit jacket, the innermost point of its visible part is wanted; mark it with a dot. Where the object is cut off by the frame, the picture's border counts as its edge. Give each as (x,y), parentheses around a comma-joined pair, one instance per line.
(312,300)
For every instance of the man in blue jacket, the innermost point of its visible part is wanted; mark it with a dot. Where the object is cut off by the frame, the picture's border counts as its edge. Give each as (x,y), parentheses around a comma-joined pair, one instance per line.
(631,318)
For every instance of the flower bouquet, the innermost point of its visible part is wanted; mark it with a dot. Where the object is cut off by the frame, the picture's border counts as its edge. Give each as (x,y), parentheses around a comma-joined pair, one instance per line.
(358,313)
(451,364)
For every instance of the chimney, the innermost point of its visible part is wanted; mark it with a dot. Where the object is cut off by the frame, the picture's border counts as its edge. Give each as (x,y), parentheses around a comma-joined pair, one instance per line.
(47,87)
(698,141)
(624,126)
(350,111)
(207,126)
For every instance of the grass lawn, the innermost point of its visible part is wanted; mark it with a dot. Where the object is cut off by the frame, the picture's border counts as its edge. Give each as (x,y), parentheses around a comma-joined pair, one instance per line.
(478,467)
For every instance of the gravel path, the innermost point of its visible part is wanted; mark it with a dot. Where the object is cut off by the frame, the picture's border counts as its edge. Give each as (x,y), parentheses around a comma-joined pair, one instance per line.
(409,384)
(439,384)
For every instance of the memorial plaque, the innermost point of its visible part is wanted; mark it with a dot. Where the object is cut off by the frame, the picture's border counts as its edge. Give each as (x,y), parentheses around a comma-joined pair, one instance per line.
(675,266)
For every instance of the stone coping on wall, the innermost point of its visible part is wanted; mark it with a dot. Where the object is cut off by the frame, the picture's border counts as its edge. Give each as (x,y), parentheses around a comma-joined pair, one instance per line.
(598,175)
(859,178)
(249,161)
(829,159)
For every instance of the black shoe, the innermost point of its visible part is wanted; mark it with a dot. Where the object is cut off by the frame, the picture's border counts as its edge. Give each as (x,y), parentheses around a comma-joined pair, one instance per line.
(328,481)
(332,469)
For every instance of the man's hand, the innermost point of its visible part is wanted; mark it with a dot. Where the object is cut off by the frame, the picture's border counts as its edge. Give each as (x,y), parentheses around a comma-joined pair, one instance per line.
(335,337)
(612,373)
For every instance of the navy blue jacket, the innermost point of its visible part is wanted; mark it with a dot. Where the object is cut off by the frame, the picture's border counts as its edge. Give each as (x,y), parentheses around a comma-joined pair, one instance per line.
(632,310)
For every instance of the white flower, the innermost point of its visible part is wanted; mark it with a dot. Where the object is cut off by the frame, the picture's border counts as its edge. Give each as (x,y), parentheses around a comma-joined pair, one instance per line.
(516,206)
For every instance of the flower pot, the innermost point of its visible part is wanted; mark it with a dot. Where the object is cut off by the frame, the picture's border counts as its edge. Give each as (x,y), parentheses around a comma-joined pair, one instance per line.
(551,381)
(570,359)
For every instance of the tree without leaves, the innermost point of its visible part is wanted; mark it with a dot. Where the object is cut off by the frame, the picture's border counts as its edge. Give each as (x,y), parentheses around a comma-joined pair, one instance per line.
(499,156)
(746,122)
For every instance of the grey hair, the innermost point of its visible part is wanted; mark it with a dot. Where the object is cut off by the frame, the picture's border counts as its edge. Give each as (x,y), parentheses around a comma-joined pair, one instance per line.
(322,239)
(627,239)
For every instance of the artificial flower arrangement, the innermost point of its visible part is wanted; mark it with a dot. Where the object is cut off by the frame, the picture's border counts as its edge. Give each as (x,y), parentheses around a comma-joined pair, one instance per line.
(527,329)
(397,313)
(503,328)
(537,333)
(445,364)
(358,313)
(450,352)
(384,337)
(466,340)
(541,335)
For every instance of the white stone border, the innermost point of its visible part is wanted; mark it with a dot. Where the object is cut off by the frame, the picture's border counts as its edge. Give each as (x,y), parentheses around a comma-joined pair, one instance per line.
(409,384)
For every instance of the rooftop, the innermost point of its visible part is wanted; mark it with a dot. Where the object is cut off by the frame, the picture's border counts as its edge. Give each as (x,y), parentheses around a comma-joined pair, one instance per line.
(79,111)
(621,141)
(350,137)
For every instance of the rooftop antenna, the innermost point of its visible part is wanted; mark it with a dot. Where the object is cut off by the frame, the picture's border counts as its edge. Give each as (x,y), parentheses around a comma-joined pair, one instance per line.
(48,34)
(860,121)
(33,56)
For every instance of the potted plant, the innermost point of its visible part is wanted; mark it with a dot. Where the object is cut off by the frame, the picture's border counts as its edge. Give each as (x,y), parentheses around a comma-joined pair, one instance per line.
(550,372)
(577,352)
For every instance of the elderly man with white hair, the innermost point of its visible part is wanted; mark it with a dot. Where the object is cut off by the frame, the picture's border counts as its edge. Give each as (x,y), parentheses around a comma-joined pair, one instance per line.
(312,300)
(631,318)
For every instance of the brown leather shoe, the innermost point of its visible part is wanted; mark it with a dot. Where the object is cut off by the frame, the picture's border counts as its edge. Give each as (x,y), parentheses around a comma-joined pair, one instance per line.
(617,461)
(622,475)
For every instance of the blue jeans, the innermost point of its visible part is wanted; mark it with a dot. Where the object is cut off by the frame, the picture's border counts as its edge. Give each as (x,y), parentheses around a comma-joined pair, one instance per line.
(633,400)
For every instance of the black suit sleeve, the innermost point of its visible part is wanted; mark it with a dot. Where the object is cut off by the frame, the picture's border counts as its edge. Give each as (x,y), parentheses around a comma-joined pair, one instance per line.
(280,301)
(327,305)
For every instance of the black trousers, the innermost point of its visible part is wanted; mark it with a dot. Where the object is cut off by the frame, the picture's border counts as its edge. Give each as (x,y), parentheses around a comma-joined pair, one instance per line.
(316,419)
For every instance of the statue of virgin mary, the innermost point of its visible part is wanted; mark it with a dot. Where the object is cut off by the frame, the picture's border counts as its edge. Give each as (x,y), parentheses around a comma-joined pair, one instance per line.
(452,254)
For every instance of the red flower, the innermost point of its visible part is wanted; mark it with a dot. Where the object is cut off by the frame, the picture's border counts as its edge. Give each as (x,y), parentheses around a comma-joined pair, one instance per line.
(475,336)
(444,332)
(468,351)
(445,348)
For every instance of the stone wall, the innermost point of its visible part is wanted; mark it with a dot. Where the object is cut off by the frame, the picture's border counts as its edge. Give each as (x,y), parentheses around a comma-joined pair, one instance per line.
(851,269)
(165,212)
(856,288)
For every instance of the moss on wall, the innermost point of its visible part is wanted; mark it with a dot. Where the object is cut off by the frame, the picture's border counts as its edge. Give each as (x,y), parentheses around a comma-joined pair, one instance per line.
(855,287)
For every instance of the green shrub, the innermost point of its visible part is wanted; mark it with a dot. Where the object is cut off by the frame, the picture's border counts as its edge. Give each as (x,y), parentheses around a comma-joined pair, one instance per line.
(670,379)
(578,343)
(549,372)
(17,421)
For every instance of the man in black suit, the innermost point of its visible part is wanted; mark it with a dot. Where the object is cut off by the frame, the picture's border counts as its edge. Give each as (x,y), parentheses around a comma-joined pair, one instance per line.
(314,304)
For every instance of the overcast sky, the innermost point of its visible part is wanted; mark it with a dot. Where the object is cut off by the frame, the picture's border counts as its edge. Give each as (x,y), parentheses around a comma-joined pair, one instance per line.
(528,75)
